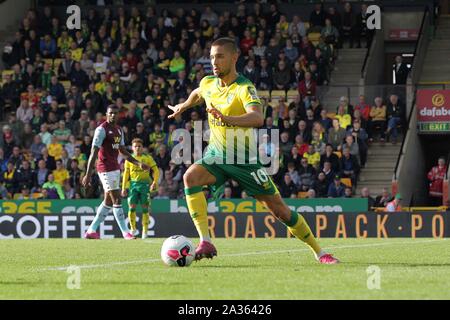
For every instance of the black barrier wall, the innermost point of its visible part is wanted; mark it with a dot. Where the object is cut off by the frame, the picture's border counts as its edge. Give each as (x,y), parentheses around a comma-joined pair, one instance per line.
(237,225)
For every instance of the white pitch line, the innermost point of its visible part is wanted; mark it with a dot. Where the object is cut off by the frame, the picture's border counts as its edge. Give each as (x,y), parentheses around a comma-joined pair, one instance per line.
(120,263)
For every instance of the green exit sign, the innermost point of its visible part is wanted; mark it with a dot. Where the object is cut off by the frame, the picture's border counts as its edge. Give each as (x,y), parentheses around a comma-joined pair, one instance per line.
(434,127)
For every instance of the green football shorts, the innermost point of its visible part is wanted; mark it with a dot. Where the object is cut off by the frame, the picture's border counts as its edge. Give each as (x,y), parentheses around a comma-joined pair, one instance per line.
(139,193)
(253,178)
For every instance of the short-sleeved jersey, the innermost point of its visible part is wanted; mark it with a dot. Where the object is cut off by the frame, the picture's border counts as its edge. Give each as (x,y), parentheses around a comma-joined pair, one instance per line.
(135,173)
(108,138)
(231,100)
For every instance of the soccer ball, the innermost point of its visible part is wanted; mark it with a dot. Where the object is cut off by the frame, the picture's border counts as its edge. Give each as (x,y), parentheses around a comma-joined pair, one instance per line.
(178,251)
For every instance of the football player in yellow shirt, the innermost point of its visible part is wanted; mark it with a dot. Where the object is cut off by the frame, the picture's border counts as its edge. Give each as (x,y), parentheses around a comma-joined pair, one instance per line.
(140,184)
(233,106)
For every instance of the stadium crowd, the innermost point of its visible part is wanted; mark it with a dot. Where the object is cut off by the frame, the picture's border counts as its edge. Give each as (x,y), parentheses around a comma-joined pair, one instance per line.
(59,82)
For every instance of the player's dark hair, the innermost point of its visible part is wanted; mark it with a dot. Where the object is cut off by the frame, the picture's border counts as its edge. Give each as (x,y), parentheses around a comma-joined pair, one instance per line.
(229,43)
(137,140)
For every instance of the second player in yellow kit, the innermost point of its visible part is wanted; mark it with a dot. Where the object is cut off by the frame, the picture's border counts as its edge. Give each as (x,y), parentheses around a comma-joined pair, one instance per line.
(139,183)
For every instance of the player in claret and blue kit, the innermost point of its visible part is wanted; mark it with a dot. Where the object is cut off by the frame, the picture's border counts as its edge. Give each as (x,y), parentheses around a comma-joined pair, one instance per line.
(108,142)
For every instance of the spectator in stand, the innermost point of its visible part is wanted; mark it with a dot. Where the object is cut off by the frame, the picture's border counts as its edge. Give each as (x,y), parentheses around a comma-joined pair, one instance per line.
(60,174)
(436,178)
(328,172)
(364,109)
(365,193)
(348,193)
(321,186)
(313,157)
(9,178)
(48,47)
(382,200)
(395,113)
(317,18)
(360,136)
(401,71)
(349,166)
(336,189)
(336,135)
(53,188)
(352,146)
(281,76)
(307,89)
(307,175)
(331,157)
(24,112)
(345,119)
(349,26)
(377,119)
(330,33)
(288,187)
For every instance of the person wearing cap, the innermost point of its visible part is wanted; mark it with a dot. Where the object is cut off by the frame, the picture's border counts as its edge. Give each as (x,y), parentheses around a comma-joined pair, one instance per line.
(394,205)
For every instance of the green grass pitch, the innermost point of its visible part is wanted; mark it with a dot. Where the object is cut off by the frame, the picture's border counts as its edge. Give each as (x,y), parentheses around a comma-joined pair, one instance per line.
(244,269)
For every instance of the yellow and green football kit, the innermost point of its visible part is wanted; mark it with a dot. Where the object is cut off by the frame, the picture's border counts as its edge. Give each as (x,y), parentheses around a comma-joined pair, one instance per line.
(138,182)
(232,153)
(232,150)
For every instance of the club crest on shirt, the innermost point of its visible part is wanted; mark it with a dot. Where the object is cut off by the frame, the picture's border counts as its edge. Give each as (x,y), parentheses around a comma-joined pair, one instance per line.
(252,92)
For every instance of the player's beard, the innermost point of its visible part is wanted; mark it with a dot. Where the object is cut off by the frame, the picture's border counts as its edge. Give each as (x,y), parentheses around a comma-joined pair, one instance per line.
(224,73)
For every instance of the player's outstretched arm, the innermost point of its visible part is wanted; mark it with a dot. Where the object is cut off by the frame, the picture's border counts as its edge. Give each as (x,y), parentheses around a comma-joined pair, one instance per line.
(253,118)
(195,98)
(90,166)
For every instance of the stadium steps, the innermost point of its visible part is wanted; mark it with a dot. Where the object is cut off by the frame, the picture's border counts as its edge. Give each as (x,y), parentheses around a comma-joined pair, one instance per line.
(347,72)
(380,166)
(436,66)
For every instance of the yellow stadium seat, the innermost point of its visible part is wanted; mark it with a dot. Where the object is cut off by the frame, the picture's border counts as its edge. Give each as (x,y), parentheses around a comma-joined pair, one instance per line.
(85,94)
(141,105)
(17,196)
(347,182)
(66,84)
(314,37)
(338,153)
(7,73)
(48,61)
(172,82)
(278,94)
(36,195)
(331,115)
(292,94)
(302,194)
(264,94)
(56,63)
(306,25)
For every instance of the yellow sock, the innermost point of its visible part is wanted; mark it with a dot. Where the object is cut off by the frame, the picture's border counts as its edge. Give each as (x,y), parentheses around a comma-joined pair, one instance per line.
(197,206)
(145,220)
(299,228)
(132,217)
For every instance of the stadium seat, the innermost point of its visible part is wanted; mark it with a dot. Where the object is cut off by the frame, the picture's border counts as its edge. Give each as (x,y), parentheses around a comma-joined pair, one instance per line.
(36,195)
(141,105)
(277,94)
(16,196)
(7,73)
(66,84)
(347,182)
(331,115)
(338,153)
(48,61)
(314,37)
(171,82)
(302,194)
(264,94)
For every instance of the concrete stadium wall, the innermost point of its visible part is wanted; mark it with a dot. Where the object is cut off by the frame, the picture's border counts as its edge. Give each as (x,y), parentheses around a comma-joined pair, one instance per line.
(400,20)
(411,185)
(12,12)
